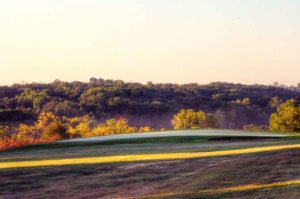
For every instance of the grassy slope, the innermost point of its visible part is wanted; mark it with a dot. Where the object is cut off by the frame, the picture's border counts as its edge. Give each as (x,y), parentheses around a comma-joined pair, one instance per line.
(147,178)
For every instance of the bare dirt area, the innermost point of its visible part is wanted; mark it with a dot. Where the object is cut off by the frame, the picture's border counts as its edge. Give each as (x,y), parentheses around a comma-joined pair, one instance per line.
(123,180)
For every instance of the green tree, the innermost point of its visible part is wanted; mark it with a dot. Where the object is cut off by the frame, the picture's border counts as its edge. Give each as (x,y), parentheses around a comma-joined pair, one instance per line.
(287,117)
(32,98)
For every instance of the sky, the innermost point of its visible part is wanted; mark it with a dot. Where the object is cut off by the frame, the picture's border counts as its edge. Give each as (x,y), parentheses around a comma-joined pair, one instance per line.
(177,41)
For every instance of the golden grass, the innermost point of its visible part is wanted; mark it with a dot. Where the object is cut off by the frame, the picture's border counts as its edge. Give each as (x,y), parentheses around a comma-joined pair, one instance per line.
(248,187)
(144,157)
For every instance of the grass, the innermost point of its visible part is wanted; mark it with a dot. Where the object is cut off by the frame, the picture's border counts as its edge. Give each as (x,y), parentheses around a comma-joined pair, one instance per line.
(141,146)
(168,167)
(179,139)
(248,187)
(137,179)
(146,157)
(154,140)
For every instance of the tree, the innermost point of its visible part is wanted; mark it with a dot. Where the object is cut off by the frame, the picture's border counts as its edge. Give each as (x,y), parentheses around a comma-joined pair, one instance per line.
(55,131)
(113,126)
(32,98)
(146,129)
(245,101)
(253,127)
(275,102)
(3,131)
(188,118)
(211,121)
(45,119)
(25,131)
(287,117)
(79,126)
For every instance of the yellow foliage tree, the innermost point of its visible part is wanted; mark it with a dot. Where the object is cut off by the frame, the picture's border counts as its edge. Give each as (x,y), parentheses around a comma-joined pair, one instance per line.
(113,126)
(146,129)
(45,119)
(287,117)
(25,131)
(47,127)
(79,126)
(188,118)
(3,131)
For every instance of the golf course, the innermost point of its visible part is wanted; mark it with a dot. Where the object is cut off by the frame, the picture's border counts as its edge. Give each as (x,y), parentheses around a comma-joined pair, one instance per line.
(168,164)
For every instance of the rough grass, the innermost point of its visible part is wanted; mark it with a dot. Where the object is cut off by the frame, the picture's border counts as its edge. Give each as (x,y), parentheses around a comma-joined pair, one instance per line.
(153,140)
(184,178)
(228,190)
(125,180)
(144,157)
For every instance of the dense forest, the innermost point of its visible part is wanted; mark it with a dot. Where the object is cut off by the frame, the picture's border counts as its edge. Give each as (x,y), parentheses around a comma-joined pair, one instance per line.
(233,105)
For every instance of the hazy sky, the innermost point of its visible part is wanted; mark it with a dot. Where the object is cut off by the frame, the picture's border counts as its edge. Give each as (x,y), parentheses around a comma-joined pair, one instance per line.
(178,41)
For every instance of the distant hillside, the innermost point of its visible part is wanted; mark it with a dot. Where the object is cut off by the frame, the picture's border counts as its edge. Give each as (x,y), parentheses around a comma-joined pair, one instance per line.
(154,104)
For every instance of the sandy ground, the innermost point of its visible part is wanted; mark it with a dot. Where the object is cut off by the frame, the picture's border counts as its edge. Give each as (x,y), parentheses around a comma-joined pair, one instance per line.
(198,132)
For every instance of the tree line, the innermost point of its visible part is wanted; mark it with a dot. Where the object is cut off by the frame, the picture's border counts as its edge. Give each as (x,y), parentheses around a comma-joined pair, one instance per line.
(234,105)
(49,127)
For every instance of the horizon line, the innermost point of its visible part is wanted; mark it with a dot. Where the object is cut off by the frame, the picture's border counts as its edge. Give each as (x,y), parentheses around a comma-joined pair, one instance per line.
(274,84)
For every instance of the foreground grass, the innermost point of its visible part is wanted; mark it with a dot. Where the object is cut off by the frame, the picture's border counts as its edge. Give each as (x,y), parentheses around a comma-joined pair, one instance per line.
(145,157)
(248,187)
(183,178)
(223,168)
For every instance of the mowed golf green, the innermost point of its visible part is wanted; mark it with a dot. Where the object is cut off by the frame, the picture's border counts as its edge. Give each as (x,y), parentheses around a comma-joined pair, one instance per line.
(165,166)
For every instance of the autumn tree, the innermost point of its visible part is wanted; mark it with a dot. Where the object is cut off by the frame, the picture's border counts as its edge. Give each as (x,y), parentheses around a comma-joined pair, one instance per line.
(113,126)
(47,127)
(245,101)
(211,121)
(275,102)
(146,129)
(188,118)
(3,131)
(287,117)
(253,127)
(79,126)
